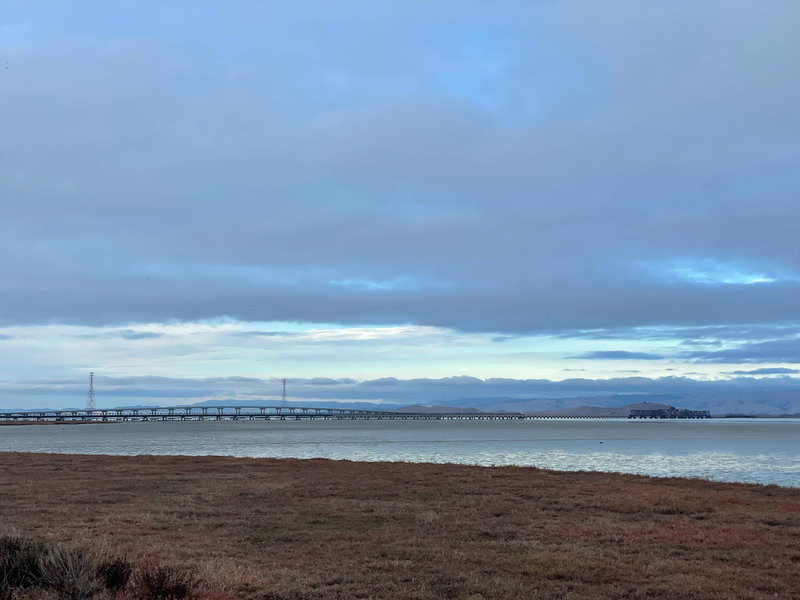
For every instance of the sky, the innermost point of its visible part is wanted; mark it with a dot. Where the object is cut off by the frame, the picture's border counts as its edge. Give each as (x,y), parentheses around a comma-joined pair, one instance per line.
(199,199)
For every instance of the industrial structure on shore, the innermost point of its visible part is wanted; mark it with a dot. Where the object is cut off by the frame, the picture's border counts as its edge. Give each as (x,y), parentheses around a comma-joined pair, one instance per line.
(668,413)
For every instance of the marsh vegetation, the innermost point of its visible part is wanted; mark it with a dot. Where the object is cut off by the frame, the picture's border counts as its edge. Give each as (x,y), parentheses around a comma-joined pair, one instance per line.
(289,529)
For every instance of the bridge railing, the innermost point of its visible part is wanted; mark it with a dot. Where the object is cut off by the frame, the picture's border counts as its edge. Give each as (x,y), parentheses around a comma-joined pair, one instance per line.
(220,413)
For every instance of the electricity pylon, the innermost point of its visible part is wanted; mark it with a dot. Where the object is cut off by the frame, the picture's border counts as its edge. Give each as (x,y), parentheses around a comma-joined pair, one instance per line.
(90,403)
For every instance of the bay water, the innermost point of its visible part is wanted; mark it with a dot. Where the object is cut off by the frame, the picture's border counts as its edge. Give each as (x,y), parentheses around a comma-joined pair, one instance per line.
(745,450)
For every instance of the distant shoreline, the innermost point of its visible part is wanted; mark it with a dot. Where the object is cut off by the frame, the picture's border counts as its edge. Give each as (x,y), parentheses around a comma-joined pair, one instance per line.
(9,423)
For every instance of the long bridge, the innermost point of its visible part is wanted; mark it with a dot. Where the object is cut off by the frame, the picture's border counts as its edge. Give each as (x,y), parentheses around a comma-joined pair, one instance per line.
(258,413)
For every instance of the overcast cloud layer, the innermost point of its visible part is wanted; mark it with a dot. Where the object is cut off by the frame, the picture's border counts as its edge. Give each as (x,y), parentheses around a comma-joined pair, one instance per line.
(563,169)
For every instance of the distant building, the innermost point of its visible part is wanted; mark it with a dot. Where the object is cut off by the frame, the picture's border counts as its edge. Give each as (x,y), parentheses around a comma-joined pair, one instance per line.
(668,413)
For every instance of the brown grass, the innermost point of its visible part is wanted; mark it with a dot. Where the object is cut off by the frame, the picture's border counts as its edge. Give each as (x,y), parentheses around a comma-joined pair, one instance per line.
(319,529)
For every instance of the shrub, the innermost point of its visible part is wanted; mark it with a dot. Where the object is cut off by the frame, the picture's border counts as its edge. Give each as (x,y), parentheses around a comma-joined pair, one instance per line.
(114,573)
(71,572)
(76,574)
(163,583)
(20,561)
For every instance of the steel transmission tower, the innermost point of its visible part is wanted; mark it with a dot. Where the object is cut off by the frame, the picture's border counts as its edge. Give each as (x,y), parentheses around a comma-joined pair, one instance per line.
(90,403)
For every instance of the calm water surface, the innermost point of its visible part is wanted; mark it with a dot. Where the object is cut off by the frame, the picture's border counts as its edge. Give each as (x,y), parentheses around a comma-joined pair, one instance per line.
(758,451)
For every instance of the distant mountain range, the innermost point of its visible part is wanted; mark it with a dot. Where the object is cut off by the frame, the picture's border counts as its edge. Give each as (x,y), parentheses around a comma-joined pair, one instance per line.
(584,411)
(756,403)
(717,403)
(749,403)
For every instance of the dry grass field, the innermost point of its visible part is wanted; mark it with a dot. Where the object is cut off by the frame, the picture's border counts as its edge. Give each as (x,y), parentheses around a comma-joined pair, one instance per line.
(319,529)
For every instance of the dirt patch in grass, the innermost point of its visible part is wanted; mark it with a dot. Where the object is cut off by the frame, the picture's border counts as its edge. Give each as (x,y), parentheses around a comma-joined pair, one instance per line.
(291,529)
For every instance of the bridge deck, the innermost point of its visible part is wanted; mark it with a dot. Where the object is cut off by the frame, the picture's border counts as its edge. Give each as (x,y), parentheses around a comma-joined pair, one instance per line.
(259,413)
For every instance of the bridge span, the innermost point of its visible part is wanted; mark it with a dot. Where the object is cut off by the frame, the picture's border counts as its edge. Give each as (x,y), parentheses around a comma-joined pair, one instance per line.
(256,413)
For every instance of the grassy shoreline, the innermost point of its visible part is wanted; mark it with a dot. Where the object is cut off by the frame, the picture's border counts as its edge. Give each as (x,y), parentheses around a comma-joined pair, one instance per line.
(289,528)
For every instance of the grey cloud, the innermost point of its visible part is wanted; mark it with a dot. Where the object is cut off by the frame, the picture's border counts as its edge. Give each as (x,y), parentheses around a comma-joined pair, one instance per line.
(236,379)
(618,355)
(328,381)
(264,334)
(190,176)
(385,382)
(125,334)
(706,334)
(771,351)
(129,334)
(703,343)
(768,371)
